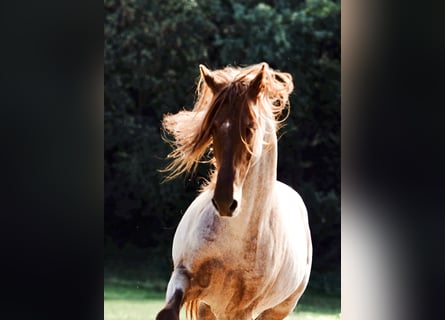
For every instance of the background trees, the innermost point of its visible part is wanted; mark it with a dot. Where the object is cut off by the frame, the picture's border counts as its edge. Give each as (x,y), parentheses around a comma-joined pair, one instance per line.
(152,52)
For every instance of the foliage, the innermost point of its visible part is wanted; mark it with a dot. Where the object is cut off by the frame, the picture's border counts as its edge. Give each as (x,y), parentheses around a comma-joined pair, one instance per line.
(152,52)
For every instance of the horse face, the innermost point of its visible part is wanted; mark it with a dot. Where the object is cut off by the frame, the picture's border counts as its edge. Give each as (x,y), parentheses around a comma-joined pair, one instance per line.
(232,122)
(232,134)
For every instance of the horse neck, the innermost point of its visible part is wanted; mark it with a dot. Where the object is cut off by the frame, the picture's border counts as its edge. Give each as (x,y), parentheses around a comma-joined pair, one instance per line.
(259,185)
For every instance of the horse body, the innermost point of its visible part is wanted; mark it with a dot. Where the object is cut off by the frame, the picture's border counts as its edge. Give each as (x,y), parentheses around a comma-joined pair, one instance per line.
(245,252)
(237,269)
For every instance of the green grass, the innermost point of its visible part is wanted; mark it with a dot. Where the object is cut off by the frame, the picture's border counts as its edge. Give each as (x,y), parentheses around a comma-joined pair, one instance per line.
(132,300)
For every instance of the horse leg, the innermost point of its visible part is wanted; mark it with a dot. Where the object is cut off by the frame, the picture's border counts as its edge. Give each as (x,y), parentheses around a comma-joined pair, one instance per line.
(282,310)
(205,313)
(176,289)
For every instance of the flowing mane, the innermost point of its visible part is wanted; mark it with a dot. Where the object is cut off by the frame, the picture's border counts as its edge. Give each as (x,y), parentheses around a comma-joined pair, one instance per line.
(191,130)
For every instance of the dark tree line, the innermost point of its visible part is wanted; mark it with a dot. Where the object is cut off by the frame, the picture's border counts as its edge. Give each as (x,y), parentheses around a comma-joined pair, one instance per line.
(152,52)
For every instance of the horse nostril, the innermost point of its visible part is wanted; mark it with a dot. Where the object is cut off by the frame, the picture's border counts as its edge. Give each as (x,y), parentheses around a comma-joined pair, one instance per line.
(233,205)
(214,204)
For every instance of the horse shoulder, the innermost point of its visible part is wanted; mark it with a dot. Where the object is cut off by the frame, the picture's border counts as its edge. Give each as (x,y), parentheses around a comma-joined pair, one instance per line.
(290,204)
(295,228)
(197,227)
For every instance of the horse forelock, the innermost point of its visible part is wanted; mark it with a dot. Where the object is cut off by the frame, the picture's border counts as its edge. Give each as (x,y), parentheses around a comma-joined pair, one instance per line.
(192,130)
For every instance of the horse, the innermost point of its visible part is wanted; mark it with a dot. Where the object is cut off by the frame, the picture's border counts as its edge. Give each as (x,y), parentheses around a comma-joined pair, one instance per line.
(242,249)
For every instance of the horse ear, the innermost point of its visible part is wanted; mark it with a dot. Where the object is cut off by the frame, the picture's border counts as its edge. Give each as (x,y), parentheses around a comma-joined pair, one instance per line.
(206,74)
(256,84)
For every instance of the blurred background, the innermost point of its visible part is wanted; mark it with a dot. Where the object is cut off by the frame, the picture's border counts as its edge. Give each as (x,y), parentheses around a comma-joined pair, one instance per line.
(151,57)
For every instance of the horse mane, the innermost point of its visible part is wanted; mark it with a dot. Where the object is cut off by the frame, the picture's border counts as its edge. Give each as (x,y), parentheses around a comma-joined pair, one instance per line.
(191,130)
(191,309)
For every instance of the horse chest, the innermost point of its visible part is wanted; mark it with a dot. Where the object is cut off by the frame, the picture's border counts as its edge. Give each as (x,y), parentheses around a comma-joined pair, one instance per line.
(224,271)
(224,285)
(217,238)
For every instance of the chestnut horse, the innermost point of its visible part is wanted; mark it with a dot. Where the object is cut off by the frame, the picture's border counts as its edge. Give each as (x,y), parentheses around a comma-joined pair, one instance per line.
(243,248)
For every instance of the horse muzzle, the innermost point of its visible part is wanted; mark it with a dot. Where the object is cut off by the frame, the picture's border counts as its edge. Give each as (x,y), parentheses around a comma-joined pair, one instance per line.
(226,207)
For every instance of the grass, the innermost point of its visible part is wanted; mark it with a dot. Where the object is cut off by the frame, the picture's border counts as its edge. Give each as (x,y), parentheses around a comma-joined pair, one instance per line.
(130,300)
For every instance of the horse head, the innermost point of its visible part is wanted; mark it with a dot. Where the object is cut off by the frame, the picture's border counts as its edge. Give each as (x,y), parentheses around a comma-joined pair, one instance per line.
(236,114)
(232,125)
